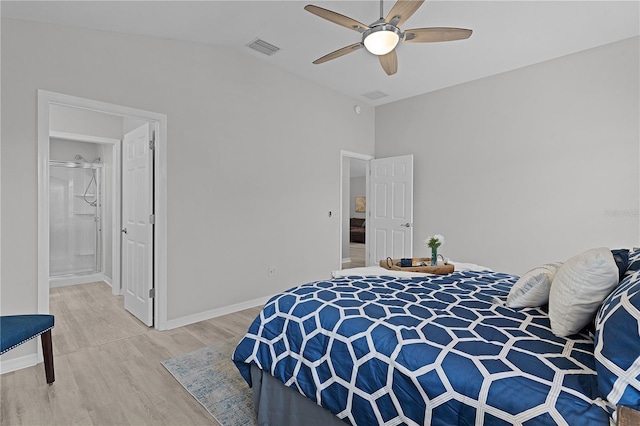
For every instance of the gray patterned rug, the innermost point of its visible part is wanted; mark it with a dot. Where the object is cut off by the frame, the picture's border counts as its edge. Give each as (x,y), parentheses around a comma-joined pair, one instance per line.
(214,381)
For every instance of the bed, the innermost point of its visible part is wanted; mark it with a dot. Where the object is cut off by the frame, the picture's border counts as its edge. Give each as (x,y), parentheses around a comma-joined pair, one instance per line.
(417,350)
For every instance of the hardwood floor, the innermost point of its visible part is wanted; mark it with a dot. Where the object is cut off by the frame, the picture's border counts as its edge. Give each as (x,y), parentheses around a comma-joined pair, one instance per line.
(107,366)
(356,254)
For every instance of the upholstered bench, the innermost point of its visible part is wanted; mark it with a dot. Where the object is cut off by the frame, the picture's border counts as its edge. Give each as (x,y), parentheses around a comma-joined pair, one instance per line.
(17,329)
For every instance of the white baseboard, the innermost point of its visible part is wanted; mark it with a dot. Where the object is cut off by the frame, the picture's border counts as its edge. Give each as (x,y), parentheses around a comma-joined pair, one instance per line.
(202,316)
(108,281)
(346,260)
(75,280)
(18,363)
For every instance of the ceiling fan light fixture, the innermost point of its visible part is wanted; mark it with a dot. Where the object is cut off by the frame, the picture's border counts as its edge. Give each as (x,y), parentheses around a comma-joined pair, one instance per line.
(381,39)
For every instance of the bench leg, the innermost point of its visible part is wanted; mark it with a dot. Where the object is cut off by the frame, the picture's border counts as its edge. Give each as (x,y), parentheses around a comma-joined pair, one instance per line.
(47,352)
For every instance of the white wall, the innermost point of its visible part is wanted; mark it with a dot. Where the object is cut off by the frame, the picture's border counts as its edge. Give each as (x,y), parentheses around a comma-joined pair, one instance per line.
(85,122)
(253,167)
(130,124)
(108,221)
(66,150)
(525,167)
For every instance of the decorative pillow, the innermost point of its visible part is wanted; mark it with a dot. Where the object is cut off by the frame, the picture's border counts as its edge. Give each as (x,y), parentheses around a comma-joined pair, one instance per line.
(532,289)
(578,289)
(621,257)
(617,344)
(634,261)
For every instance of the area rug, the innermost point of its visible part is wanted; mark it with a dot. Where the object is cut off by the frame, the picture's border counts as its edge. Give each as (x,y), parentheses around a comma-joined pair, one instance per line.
(210,376)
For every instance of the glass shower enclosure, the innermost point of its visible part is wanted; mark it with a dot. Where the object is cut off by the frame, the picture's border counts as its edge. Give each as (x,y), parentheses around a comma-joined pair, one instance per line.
(75,207)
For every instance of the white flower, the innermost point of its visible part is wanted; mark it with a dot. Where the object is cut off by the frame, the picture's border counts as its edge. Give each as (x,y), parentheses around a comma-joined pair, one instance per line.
(435,241)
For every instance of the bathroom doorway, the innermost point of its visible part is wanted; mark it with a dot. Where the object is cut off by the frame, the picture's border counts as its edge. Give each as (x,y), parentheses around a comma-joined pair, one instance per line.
(80,196)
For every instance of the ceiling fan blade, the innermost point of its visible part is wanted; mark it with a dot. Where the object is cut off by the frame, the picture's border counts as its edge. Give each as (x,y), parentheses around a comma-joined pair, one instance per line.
(389,62)
(430,35)
(337,18)
(338,53)
(402,10)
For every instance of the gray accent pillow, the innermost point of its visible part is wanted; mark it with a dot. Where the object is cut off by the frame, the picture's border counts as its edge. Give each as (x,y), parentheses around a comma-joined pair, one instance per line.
(532,289)
(580,286)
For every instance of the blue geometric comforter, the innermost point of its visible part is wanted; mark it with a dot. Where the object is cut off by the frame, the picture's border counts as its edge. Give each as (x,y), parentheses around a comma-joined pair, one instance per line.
(439,350)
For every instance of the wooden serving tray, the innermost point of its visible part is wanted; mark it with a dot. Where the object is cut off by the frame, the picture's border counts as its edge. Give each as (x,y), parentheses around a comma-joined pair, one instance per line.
(627,416)
(437,270)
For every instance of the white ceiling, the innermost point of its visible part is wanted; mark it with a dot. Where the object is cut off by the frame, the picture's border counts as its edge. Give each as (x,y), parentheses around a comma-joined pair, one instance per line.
(506,35)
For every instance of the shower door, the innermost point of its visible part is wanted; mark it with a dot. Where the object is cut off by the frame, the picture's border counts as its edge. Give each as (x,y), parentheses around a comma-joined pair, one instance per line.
(74,215)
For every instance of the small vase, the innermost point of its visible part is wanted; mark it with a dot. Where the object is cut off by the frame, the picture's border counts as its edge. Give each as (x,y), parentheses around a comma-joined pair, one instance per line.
(434,256)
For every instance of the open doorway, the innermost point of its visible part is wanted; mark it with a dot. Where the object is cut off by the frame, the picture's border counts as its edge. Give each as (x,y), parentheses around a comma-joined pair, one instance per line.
(84,139)
(354,188)
(388,208)
(84,196)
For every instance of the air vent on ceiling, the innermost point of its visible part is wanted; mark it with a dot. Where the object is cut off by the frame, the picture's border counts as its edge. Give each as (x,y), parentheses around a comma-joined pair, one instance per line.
(376,94)
(263,47)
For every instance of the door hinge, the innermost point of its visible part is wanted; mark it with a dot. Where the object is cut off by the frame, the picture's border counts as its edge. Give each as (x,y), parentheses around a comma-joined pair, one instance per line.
(152,142)
(152,219)
(152,293)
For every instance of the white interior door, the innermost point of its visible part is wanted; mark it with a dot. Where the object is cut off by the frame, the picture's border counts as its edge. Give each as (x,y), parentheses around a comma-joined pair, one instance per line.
(390,223)
(137,232)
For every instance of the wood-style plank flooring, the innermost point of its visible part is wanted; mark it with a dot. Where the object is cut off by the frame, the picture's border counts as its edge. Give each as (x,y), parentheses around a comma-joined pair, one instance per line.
(107,366)
(356,254)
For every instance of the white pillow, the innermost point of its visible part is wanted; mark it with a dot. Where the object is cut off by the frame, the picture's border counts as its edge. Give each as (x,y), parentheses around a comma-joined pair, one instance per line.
(532,289)
(580,286)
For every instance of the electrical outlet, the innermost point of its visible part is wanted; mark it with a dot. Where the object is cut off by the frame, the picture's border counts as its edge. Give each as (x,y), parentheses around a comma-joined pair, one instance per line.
(271,271)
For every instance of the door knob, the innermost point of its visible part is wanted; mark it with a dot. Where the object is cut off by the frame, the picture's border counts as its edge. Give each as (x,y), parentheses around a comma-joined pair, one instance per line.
(406,225)
(124,230)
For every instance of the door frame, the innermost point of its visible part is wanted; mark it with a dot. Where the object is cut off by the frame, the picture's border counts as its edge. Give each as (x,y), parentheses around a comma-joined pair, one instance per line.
(158,124)
(348,154)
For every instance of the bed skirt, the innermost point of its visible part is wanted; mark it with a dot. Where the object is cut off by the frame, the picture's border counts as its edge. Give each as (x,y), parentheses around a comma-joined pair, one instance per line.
(278,405)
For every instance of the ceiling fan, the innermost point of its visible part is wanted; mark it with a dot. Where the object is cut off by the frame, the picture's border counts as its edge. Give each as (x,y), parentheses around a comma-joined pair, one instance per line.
(382,36)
